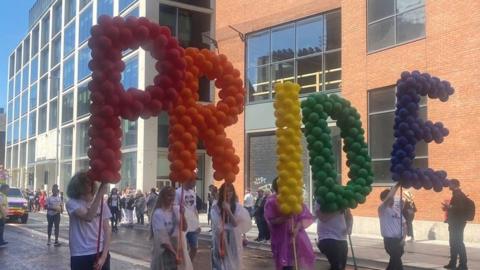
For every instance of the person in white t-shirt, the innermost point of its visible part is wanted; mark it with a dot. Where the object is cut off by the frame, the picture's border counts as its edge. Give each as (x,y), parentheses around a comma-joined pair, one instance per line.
(249,202)
(54,207)
(84,208)
(332,232)
(392,226)
(191,215)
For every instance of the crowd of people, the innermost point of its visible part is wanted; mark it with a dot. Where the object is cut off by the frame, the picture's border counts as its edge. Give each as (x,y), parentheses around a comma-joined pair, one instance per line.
(173,217)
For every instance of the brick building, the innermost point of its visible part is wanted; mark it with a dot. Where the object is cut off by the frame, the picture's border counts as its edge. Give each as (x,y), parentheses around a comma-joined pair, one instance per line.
(303,41)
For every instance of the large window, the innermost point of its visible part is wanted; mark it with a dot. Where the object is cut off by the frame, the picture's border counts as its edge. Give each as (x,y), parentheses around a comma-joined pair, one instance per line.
(104,7)
(123,4)
(34,70)
(381,115)
(129,170)
(15,131)
(53,119)
(25,76)
(83,59)
(70,8)
(18,58)
(16,112)
(11,89)
(129,129)
(67,142)
(56,50)
(33,97)
(130,74)
(31,151)
(54,82)
(18,83)
(305,51)
(23,128)
(32,129)
(392,22)
(11,66)
(83,3)
(83,100)
(43,90)
(35,41)
(57,18)
(44,61)
(24,108)
(69,39)
(10,112)
(45,29)
(26,50)
(82,139)
(67,107)
(42,119)
(68,70)
(85,25)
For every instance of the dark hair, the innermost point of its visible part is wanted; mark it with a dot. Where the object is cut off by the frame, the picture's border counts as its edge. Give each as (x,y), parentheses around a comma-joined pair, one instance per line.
(455,182)
(77,187)
(160,203)
(275,184)
(222,196)
(384,194)
(153,190)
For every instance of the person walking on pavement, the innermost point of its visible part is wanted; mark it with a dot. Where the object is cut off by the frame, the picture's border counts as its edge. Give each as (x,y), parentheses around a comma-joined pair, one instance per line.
(282,234)
(212,199)
(83,208)
(151,201)
(229,222)
(42,200)
(129,207)
(457,219)
(249,202)
(54,207)
(332,232)
(140,207)
(191,215)
(392,226)
(114,203)
(3,211)
(263,233)
(408,211)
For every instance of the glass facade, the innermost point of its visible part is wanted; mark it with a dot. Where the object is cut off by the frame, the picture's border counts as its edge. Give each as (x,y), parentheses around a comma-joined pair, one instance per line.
(123,4)
(130,74)
(69,39)
(53,114)
(83,59)
(67,107)
(68,72)
(83,100)
(85,25)
(105,7)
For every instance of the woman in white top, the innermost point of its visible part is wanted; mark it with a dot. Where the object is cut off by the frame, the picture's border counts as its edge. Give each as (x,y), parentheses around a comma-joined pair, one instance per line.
(84,208)
(166,221)
(229,221)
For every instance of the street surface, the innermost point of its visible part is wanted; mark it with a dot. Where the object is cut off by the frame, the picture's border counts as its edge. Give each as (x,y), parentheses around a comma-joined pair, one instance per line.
(27,249)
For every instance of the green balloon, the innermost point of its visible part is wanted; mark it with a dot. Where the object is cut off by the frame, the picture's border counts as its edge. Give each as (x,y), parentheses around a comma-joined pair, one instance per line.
(318,146)
(330,197)
(313,117)
(332,207)
(328,106)
(317,132)
(329,182)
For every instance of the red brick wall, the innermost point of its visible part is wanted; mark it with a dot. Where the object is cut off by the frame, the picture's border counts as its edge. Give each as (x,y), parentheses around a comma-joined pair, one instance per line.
(451,51)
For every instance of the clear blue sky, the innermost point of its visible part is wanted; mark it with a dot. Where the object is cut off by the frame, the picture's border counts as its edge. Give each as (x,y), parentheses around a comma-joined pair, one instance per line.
(13,27)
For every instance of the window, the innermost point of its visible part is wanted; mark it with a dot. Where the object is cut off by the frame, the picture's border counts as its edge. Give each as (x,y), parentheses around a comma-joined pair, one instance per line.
(133,13)
(306,51)
(381,115)
(69,39)
(67,142)
(200,3)
(35,41)
(10,112)
(83,3)
(188,26)
(104,7)
(26,50)
(18,83)
(43,91)
(16,112)
(54,82)
(57,18)
(24,108)
(163,129)
(83,100)
(68,69)
(32,129)
(31,152)
(9,158)
(42,119)
(392,22)
(45,29)
(34,70)
(82,139)
(15,131)
(23,128)
(53,117)
(83,58)
(11,70)
(123,4)
(56,50)
(25,76)
(67,107)
(15,157)
(23,155)
(33,97)
(8,134)
(85,25)
(130,74)
(70,8)
(18,58)
(129,170)
(129,129)
(11,90)
(44,61)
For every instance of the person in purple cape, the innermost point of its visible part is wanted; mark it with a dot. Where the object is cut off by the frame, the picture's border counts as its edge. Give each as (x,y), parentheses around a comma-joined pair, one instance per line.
(282,234)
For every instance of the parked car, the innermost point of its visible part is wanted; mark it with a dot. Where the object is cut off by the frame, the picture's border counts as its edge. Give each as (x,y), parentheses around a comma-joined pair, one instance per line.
(17,205)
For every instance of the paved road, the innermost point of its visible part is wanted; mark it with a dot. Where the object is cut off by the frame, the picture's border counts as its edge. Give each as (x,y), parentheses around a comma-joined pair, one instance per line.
(130,249)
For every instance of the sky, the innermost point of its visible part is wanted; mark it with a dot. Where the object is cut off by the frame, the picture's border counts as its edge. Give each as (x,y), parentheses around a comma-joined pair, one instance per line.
(13,28)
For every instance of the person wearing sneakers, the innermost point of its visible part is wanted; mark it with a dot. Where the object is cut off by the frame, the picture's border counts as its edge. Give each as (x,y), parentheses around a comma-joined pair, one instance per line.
(3,211)
(54,208)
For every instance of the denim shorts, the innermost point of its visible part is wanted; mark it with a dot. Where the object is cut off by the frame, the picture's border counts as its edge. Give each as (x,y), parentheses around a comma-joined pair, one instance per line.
(192,239)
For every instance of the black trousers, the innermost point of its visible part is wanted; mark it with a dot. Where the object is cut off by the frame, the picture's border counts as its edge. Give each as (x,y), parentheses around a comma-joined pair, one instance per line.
(263,231)
(336,252)
(114,219)
(53,220)
(394,248)
(2,228)
(87,262)
(140,217)
(457,247)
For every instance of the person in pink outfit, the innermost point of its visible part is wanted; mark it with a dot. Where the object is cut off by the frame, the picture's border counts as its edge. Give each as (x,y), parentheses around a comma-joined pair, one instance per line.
(282,232)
